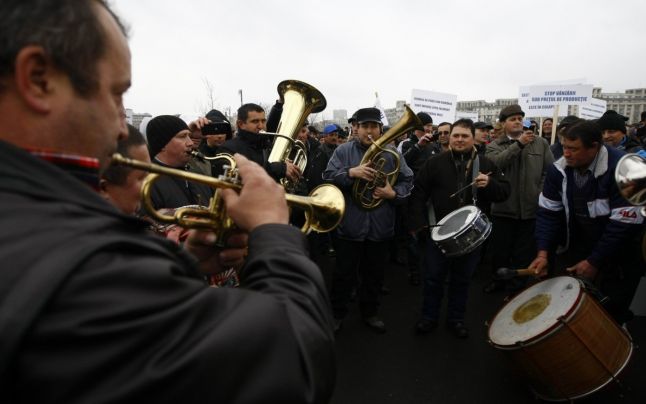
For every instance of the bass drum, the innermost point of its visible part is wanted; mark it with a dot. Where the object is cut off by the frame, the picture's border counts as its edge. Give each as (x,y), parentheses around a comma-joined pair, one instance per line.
(561,339)
(461,231)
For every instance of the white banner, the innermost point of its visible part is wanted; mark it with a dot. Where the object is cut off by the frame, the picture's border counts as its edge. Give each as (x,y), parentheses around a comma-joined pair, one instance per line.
(593,110)
(541,100)
(466,115)
(537,110)
(440,106)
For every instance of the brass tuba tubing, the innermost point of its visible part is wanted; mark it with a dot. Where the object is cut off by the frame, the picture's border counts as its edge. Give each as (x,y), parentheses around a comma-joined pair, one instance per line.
(362,189)
(300,100)
(324,207)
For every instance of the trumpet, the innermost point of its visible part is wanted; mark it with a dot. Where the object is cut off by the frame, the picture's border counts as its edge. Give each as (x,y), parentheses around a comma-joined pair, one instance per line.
(323,208)
(199,155)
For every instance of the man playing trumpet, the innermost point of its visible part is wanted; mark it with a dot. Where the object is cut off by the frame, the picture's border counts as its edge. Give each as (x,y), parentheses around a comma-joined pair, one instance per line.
(88,291)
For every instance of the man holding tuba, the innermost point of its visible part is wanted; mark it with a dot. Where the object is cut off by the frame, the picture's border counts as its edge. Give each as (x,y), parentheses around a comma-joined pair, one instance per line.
(253,145)
(363,235)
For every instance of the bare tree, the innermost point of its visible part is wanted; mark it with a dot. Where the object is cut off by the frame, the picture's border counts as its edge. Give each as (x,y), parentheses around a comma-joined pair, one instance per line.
(209,103)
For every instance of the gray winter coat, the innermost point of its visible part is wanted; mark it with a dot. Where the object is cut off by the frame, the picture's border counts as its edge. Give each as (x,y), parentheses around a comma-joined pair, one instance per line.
(525,170)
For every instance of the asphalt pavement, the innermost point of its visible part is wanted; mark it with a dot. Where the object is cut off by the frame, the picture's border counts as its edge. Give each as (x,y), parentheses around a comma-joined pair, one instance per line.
(402,367)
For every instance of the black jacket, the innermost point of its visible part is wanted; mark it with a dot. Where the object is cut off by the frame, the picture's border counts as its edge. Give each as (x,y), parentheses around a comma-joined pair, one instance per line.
(416,156)
(316,164)
(256,148)
(439,178)
(93,309)
(174,192)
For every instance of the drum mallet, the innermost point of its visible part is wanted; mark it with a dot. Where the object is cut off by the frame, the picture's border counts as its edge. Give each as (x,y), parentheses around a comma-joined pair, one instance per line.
(506,273)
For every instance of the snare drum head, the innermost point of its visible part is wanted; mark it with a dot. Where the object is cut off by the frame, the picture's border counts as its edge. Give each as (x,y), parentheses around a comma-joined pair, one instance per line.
(454,222)
(534,311)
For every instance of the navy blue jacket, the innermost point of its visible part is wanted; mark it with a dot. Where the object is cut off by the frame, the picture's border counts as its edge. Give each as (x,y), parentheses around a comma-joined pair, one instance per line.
(358,224)
(617,220)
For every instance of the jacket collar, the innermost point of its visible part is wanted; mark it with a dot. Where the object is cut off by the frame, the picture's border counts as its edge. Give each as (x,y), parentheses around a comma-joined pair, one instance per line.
(29,175)
(599,169)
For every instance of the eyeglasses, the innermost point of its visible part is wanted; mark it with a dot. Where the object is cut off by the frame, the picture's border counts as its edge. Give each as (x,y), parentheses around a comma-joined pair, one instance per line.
(444,132)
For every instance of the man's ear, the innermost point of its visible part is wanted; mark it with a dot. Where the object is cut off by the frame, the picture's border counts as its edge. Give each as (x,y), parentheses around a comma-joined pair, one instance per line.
(34,77)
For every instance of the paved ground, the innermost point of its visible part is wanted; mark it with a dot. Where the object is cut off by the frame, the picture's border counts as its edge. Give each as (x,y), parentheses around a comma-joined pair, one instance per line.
(401,367)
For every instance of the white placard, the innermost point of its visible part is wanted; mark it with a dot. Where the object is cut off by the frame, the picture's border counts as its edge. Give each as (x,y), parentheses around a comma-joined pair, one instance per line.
(576,94)
(593,110)
(534,109)
(440,106)
(543,99)
(466,115)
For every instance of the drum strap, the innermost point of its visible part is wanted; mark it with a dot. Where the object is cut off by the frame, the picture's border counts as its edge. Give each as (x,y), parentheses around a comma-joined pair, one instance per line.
(475,169)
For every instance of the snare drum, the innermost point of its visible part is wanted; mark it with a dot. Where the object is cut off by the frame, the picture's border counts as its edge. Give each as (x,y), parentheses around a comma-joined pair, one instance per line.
(562,340)
(461,231)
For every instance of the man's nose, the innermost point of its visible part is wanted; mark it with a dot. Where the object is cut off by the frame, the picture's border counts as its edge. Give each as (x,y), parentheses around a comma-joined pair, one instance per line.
(123,129)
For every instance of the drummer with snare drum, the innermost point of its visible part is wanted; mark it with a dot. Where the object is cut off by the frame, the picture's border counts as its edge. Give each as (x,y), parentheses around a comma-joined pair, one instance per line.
(447,182)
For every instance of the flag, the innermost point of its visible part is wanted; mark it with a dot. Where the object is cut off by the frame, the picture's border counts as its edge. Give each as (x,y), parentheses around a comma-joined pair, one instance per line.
(384,119)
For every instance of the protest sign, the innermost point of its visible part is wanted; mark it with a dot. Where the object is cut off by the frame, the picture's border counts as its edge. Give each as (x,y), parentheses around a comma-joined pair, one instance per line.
(466,115)
(440,106)
(593,110)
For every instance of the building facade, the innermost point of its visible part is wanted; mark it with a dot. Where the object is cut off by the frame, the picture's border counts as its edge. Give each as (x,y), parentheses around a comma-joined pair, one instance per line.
(630,103)
(487,111)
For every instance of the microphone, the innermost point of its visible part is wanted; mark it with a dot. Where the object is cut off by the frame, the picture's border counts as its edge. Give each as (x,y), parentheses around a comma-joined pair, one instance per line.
(506,273)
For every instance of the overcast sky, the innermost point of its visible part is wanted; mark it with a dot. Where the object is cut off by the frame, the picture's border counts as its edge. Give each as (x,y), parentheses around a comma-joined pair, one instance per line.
(351,49)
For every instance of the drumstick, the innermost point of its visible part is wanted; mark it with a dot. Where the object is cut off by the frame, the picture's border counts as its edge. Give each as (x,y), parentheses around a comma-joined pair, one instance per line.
(466,186)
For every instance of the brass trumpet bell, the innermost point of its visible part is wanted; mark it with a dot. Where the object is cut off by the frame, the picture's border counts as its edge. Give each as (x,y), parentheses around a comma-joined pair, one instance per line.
(323,208)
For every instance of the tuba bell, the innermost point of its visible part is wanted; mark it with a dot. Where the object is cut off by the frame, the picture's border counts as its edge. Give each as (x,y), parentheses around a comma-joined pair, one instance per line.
(300,100)
(362,190)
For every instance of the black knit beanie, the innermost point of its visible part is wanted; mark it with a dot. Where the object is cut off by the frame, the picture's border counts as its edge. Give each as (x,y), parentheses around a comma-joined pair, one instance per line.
(612,121)
(160,130)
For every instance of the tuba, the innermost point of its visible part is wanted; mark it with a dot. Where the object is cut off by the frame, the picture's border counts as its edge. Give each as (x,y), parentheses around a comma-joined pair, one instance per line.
(323,208)
(362,190)
(300,100)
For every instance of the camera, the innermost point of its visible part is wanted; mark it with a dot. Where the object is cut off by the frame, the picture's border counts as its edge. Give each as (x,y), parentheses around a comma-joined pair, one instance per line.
(216,128)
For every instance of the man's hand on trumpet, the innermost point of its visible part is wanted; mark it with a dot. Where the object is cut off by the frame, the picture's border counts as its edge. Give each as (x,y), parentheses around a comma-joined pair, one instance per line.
(212,259)
(260,201)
